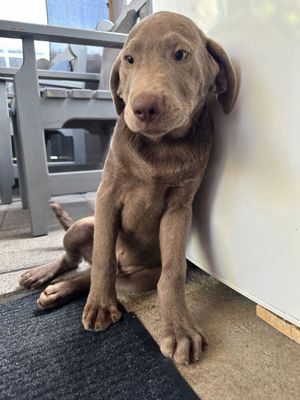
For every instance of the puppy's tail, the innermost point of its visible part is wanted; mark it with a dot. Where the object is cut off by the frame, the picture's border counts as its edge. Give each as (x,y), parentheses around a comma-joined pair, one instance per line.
(63,217)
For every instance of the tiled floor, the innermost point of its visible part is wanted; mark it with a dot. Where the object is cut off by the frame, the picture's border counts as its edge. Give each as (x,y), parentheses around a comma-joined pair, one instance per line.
(19,251)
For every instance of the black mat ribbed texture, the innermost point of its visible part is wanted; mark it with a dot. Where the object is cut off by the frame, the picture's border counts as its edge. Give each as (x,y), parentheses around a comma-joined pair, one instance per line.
(48,355)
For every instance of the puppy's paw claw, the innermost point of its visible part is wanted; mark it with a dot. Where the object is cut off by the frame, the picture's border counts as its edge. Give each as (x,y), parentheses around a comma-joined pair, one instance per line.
(184,347)
(98,317)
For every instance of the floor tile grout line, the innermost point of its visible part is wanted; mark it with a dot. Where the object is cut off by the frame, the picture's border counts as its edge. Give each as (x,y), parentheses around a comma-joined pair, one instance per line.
(2,222)
(16,270)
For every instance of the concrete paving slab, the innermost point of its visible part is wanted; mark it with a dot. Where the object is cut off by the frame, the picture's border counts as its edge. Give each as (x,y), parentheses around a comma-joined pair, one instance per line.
(9,283)
(17,218)
(19,250)
(70,198)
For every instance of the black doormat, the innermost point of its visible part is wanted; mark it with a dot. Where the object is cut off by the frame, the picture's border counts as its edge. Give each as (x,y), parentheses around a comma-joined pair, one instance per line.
(48,355)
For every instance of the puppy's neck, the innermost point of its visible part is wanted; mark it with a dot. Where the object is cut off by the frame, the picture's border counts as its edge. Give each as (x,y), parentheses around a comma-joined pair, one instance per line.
(172,160)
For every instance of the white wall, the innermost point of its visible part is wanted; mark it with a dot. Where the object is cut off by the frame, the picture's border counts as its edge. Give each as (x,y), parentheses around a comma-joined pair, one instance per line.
(202,12)
(246,228)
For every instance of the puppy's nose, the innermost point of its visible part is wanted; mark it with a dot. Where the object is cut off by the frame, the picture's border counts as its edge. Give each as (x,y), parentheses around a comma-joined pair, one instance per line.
(146,106)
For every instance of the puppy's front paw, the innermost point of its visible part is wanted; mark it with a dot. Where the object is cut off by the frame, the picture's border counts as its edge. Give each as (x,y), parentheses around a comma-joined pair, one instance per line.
(183,345)
(98,317)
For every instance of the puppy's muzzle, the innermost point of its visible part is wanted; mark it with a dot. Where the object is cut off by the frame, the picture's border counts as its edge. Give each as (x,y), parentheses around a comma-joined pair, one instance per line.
(146,107)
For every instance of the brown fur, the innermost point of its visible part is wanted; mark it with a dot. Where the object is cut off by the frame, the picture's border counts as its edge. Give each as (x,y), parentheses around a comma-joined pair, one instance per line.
(158,155)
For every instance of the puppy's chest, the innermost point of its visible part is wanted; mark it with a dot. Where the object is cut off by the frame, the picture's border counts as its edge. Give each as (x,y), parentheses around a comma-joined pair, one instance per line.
(142,206)
(176,167)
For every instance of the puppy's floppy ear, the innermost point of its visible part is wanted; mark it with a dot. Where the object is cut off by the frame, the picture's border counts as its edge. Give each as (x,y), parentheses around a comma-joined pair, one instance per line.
(225,82)
(115,86)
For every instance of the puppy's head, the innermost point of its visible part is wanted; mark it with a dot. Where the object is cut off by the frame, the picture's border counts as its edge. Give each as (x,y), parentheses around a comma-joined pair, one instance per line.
(165,73)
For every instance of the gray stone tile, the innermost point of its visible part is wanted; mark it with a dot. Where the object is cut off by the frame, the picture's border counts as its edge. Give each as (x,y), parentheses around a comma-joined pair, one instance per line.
(2,217)
(70,198)
(91,196)
(19,250)
(9,283)
(4,207)
(3,211)
(16,218)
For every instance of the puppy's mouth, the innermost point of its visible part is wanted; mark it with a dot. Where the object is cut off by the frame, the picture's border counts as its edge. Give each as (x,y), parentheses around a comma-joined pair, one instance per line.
(153,129)
(161,124)
(150,128)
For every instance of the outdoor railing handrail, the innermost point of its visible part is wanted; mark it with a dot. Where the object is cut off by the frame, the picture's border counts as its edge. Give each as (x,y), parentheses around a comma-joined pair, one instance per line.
(51,33)
(6,72)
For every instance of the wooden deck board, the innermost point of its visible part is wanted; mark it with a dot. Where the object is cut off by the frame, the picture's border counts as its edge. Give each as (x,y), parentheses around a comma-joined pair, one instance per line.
(278,323)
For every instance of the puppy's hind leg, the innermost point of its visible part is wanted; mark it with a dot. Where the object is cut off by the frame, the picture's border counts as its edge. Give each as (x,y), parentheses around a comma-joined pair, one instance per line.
(61,292)
(37,277)
(78,242)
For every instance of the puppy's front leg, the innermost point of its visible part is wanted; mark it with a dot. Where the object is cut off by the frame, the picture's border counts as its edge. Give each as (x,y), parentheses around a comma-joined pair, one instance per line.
(180,340)
(101,306)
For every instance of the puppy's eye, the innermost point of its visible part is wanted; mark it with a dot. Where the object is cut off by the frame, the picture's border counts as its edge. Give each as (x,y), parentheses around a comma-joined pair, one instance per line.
(181,55)
(129,59)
